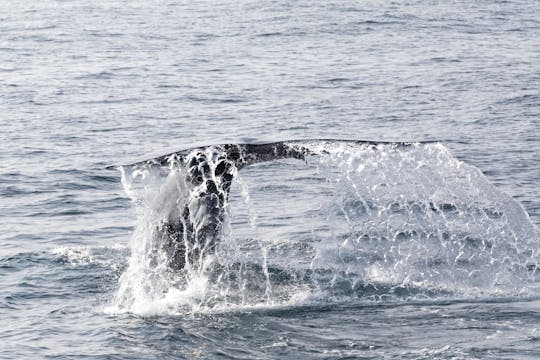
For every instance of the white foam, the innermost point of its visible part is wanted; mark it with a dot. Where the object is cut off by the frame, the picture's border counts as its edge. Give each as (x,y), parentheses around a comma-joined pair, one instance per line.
(109,256)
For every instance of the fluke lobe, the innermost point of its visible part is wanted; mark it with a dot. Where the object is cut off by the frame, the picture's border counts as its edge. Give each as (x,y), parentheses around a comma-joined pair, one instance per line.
(191,230)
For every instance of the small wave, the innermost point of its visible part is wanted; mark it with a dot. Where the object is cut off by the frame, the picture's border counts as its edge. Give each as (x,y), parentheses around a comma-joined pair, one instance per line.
(527,100)
(21,260)
(215,100)
(104,256)
(270,34)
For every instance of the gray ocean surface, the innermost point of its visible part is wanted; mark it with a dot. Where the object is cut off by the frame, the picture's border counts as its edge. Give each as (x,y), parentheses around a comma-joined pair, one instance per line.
(364,253)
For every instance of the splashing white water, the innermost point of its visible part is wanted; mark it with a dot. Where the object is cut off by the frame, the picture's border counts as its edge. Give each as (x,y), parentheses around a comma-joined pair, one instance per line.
(421,218)
(357,222)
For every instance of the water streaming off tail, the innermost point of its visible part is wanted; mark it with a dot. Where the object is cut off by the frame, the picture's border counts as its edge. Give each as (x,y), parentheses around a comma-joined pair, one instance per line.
(355,223)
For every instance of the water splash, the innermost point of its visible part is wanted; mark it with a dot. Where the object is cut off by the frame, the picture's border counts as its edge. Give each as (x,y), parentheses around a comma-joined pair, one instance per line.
(421,219)
(356,223)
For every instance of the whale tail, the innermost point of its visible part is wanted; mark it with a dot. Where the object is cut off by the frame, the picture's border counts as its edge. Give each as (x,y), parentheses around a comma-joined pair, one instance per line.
(190,232)
(242,154)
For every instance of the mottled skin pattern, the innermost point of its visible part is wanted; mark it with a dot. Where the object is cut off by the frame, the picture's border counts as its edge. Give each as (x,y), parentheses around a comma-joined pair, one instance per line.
(183,240)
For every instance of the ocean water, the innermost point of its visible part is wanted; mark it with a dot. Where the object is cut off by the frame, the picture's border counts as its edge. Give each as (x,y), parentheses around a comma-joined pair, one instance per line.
(359,252)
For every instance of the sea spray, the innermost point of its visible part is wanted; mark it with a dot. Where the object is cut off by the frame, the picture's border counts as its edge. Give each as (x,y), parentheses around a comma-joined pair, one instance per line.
(353,223)
(422,219)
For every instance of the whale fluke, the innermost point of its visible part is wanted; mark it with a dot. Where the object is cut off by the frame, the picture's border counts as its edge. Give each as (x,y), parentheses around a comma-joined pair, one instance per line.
(190,231)
(243,154)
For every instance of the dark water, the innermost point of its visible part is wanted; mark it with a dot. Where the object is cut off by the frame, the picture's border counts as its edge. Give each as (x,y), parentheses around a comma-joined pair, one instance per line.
(342,256)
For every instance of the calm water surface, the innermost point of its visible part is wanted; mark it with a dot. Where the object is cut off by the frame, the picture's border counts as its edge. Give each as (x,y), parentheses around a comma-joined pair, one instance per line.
(84,85)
